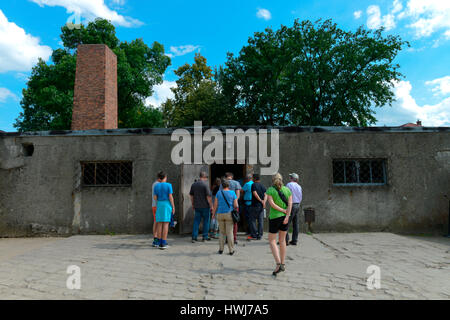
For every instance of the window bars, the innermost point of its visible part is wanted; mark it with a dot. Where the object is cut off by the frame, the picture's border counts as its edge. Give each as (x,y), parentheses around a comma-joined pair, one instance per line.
(359,172)
(107,174)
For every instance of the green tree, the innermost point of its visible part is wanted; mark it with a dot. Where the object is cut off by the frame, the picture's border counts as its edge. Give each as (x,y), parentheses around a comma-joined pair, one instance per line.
(48,99)
(196,97)
(311,74)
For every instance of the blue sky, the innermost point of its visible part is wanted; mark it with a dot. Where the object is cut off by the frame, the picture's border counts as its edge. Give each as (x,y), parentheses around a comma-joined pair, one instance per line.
(30,29)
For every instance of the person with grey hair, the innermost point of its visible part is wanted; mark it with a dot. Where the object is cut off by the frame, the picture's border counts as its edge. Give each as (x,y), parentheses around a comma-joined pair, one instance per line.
(294,218)
(224,203)
(200,195)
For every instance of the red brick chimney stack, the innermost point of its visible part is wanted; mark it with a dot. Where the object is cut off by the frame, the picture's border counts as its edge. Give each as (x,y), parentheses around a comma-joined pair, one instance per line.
(95,93)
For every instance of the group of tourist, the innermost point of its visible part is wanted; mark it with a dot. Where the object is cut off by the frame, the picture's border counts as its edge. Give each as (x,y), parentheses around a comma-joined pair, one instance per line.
(217,205)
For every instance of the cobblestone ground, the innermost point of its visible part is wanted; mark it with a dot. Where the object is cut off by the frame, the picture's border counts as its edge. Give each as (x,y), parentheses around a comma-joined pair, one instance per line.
(324,266)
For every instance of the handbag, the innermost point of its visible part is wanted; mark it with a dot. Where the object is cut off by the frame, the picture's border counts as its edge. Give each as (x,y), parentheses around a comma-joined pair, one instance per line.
(234,214)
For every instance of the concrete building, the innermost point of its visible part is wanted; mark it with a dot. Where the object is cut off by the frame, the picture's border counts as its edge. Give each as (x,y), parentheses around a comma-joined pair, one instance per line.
(98,180)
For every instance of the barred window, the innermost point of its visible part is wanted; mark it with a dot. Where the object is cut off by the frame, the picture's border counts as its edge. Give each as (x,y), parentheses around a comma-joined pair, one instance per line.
(359,172)
(107,174)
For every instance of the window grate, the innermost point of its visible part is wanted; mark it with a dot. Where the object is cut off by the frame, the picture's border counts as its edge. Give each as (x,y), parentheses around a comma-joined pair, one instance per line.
(107,174)
(359,172)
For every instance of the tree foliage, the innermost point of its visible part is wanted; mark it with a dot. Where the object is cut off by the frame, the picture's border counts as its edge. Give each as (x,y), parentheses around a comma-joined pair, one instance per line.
(48,99)
(196,97)
(311,74)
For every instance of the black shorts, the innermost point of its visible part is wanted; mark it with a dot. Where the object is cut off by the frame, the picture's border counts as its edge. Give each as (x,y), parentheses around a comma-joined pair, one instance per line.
(276,225)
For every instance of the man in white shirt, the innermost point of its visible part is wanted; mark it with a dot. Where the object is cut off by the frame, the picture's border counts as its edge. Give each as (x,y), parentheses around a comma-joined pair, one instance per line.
(294,218)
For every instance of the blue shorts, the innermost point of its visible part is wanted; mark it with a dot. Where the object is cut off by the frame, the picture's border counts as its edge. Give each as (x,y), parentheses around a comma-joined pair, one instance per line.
(163,211)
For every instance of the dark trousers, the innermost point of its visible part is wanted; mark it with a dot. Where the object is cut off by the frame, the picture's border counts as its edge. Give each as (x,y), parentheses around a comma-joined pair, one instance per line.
(246,218)
(201,213)
(256,216)
(294,219)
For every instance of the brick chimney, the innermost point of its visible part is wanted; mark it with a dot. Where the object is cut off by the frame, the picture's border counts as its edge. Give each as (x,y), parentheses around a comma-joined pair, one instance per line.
(95,93)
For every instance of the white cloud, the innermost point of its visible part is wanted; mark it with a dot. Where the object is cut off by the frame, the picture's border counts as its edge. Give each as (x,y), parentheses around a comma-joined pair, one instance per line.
(161,93)
(357,14)
(91,9)
(19,51)
(447,34)
(182,50)
(375,20)
(389,21)
(441,85)
(428,16)
(406,109)
(396,6)
(264,14)
(5,94)
(425,17)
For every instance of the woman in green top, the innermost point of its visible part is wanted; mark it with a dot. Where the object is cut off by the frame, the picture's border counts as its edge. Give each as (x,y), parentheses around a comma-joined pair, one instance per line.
(280,200)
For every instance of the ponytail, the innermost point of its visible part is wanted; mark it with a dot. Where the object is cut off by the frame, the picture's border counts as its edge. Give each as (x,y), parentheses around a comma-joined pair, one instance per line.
(277,181)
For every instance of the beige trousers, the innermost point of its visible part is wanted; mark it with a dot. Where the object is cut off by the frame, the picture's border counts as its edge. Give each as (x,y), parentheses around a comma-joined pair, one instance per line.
(226,230)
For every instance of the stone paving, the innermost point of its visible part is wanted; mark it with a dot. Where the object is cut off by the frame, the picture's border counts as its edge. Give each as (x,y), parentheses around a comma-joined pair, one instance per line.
(324,266)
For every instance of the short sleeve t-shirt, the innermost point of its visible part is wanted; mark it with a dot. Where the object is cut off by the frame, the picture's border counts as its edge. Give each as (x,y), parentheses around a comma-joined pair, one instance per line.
(222,204)
(296,190)
(276,198)
(153,193)
(200,191)
(260,190)
(234,185)
(248,192)
(163,190)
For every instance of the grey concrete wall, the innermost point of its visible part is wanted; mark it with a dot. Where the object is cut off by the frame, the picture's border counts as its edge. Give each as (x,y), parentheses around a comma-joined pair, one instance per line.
(418,179)
(41,194)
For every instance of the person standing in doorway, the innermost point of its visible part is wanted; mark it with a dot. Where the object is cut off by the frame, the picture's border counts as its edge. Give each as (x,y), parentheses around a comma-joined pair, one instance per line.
(165,208)
(155,235)
(224,203)
(201,205)
(280,200)
(294,218)
(259,199)
(236,188)
(247,189)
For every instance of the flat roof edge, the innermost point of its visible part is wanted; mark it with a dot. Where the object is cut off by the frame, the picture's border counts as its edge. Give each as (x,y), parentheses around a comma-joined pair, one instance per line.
(168,131)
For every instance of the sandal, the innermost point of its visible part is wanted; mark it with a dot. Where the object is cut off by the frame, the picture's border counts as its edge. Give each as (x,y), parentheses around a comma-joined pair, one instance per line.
(278,270)
(283,267)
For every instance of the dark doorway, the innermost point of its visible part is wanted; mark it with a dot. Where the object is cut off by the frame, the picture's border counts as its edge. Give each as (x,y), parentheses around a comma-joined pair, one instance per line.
(219,170)
(239,172)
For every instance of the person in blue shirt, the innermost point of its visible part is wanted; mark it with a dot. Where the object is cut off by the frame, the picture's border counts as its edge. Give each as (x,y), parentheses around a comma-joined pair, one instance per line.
(165,208)
(236,188)
(247,203)
(224,203)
